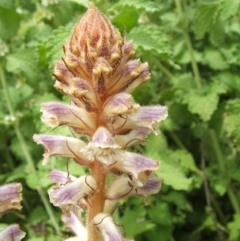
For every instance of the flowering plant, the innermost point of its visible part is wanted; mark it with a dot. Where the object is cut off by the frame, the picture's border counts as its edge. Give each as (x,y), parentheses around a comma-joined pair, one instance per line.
(98,75)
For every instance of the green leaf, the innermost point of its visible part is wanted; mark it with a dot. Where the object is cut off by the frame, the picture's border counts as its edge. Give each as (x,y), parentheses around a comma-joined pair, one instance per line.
(150,38)
(206,19)
(126,19)
(160,214)
(231,120)
(148,6)
(228,8)
(215,60)
(7,3)
(55,43)
(205,104)
(234,228)
(9,23)
(134,221)
(173,170)
(37,215)
(26,61)
(83,3)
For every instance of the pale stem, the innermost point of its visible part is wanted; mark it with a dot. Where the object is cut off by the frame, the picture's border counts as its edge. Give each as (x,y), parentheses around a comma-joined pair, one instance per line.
(97,201)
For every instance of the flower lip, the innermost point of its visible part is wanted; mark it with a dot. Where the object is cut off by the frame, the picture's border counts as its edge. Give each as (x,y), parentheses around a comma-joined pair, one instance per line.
(61,146)
(102,147)
(107,227)
(56,114)
(10,197)
(12,232)
(138,167)
(72,193)
(72,221)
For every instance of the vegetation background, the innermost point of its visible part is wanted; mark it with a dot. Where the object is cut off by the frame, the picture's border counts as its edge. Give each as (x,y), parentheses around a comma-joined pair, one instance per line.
(193,51)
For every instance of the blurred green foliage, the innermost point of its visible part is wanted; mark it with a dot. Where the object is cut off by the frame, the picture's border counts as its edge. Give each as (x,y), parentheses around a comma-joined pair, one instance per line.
(193,51)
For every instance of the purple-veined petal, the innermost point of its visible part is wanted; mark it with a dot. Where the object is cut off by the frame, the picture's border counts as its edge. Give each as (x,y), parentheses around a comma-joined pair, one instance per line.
(60,177)
(56,114)
(12,233)
(72,221)
(133,137)
(72,192)
(138,167)
(147,116)
(61,146)
(119,188)
(121,103)
(10,197)
(102,147)
(107,227)
(142,78)
(152,186)
(150,114)
(123,77)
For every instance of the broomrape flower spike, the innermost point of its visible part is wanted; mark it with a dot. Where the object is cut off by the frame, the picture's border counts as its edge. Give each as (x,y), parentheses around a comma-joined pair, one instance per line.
(98,75)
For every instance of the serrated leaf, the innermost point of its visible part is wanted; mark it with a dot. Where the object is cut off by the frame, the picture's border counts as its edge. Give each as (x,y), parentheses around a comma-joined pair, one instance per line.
(150,38)
(146,5)
(55,43)
(26,61)
(205,104)
(9,23)
(172,171)
(228,8)
(134,221)
(231,120)
(205,17)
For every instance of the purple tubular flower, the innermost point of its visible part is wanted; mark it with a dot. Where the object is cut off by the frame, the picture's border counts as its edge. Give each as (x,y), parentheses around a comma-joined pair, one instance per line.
(72,221)
(61,146)
(56,114)
(71,193)
(102,147)
(152,186)
(138,167)
(119,104)
(107,227)
(12,233)
(60,177)
(10,197)
(119,188)
(132,72)
(147,116)
(133,137)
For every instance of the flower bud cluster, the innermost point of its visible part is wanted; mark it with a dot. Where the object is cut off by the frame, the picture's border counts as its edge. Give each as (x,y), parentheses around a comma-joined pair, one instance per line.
(98,75)
(10,198)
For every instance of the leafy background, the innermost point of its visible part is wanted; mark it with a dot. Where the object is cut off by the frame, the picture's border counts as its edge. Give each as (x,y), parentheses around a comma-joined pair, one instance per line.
(193,51)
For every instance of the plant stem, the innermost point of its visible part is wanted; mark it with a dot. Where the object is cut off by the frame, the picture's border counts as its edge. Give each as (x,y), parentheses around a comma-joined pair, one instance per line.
(195,69)
(177,140)
(25,151)
(163,69)
(97,201)
(217,149)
